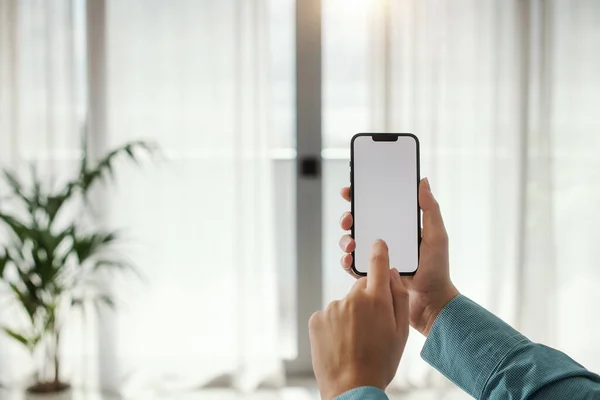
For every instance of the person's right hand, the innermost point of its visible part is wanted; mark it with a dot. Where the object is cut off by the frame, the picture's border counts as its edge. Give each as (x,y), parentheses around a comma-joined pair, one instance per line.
(430,289)
(358,341)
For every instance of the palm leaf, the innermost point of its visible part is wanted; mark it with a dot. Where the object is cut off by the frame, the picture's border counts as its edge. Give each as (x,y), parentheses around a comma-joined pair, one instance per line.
(103,169)
(85,247)
(47,271)
(120,265)
(28,298)
(84,151)
(99,301)
(29,342)
(105,300)
(18,228)
(42,247)
(16,255)
(37,198)
(50,242)
(4,260)
(33,201)
(113,264)
(40,239)
(53,206)
(19,337)
(15,185)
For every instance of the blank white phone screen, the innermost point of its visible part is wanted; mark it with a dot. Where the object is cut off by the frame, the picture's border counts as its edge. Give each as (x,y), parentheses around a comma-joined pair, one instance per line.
(385,200)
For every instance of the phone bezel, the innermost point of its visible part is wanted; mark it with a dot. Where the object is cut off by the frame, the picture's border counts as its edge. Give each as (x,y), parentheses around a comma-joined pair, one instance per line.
(391,136)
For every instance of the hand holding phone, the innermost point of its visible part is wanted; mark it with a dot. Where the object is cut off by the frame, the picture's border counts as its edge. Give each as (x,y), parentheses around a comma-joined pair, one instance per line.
(431,288)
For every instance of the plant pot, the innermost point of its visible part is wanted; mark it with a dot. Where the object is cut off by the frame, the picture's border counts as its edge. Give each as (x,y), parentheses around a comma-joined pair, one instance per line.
(64,395)
(42,392)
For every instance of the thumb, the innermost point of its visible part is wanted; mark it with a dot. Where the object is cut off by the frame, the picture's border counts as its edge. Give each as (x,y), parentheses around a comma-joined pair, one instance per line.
(400,298)
(433,223)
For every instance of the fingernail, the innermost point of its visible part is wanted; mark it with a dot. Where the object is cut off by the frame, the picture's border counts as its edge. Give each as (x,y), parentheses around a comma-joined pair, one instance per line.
(346,242)
(342,217)
(395,274)
(427,185)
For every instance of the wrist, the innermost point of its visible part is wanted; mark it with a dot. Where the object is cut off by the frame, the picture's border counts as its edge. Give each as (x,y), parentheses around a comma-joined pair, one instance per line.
(349,381)
(433,306)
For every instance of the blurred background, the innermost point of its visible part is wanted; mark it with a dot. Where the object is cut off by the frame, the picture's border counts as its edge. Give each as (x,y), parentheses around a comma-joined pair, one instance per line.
(233,222)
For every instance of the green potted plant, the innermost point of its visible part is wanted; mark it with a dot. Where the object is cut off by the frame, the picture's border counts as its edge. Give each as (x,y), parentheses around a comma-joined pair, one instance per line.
(51,260)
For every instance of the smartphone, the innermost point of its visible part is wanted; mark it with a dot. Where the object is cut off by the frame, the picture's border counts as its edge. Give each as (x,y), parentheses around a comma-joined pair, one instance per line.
(384,182)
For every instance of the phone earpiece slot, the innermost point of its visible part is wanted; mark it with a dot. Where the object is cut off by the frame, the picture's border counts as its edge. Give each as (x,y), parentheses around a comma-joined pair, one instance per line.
(383,137)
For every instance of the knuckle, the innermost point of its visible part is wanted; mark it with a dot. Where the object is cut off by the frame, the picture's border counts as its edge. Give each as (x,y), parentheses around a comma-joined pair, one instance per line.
(402,293)
(378,298)
(314,320)
(361,283)
(333,306)
(344,305)
(365,300)
(355,304)
(357,295)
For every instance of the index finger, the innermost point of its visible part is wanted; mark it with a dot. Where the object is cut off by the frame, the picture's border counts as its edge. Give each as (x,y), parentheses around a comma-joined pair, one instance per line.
(378,277)
(345,192)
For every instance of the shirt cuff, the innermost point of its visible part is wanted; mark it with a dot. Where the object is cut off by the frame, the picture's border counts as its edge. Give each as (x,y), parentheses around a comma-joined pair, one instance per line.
(363,393)
(467,342)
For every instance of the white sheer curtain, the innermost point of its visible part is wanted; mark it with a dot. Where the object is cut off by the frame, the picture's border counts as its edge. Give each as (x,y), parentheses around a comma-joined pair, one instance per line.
(41,116)
(191,76)
(504,97)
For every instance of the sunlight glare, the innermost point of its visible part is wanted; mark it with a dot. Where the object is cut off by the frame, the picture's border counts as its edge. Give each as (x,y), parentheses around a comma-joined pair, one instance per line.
(350,8)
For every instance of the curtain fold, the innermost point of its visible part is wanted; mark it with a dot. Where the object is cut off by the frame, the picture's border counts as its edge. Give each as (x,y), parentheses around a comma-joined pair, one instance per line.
(41,115)
(574,126)
(8,79)
(191,76)
(502,95)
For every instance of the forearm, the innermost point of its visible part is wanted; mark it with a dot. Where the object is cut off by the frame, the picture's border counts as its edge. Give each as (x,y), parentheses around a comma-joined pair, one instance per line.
(490,360)
(534,371)
(573,388)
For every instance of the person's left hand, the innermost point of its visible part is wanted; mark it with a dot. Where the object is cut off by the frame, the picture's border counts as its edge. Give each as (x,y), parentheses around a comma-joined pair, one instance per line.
(358,341)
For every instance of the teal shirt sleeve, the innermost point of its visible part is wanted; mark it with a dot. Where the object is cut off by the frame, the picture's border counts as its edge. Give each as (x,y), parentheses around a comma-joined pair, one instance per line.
(363,393)
(488,359)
